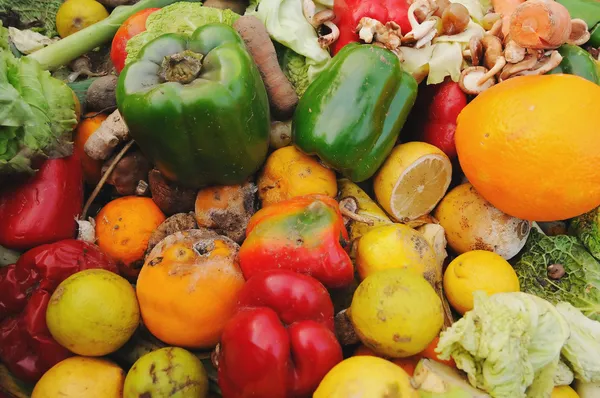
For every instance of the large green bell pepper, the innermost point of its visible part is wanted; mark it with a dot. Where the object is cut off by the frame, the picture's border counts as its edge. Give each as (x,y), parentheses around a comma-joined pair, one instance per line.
(577,61)
(352,113)
(197,107)
(588,10)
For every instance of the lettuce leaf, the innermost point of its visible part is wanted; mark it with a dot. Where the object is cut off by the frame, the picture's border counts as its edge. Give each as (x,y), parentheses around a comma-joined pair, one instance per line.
(37,113)
(286,24)
(509,344)
(38,15)
(183,18)
(294,67)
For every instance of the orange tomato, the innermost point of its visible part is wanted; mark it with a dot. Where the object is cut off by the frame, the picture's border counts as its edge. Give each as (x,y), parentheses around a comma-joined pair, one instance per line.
(188,288)
(408,364)
(92,168)
(123,228)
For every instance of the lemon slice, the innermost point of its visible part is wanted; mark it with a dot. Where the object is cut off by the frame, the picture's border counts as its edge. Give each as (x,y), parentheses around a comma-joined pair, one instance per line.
(413,179)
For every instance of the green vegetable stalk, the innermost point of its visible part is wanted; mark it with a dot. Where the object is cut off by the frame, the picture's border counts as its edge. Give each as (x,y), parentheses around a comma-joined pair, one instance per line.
(64,51)
(559,268)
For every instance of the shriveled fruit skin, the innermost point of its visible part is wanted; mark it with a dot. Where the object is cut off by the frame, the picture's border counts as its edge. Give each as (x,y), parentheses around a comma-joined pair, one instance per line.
(169,372)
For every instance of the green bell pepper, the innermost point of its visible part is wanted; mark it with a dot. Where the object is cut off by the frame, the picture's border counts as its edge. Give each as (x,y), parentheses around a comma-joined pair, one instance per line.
(197,107)
(588,10)
(577,61)
(352,113)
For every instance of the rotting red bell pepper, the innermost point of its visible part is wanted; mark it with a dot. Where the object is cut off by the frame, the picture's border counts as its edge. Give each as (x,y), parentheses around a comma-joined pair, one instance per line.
(305,234)
(349,13)
(281,342)
(134,25)
(26,346)
(437,110)
(43,208)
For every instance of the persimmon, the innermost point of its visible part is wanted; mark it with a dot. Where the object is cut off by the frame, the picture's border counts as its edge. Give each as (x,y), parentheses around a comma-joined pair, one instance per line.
(188,288)
(92,168)
(123,228)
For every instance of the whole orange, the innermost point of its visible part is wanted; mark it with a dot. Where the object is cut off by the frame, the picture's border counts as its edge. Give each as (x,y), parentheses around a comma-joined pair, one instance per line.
(92,168)
(188,288)
(123,228)
(530,146)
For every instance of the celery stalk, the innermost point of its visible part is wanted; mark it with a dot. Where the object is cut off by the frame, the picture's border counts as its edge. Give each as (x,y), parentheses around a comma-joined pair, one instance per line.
(71,47)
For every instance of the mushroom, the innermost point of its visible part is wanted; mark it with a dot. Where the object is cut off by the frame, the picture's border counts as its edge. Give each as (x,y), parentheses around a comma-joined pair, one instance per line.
(493,59)
(514,53)
(544,65)
(510,70)
(475,51)
(472,80)
(496,29)
(579,32)
(388,35)
(421,33)
(316,19)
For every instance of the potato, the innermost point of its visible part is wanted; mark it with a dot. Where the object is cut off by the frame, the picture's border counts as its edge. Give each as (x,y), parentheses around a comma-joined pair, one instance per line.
(472,223)
(289,173)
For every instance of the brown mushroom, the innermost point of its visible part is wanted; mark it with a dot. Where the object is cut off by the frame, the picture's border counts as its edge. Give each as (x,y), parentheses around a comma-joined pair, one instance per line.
(544,65)
(510,70)
(471,77)
(579,32)
(493,59)
(514,53)
(422,32)
(316,19)
(475,51)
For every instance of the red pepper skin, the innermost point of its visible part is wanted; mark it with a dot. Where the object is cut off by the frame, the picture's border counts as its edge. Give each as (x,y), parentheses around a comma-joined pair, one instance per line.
(134,25)
(42,209)
(302,234)
(447,101)
(26,346)
(281,342)
(350,12)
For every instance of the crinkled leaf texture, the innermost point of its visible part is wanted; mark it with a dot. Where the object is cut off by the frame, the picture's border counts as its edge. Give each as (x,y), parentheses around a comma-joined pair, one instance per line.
(509,344)
(582,350)
(580,284)
(294,67)
(183,18)
(39,15)
(37,114)
(587,228)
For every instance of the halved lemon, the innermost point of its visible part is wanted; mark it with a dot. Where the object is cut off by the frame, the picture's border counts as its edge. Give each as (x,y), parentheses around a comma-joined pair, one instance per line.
(413,179)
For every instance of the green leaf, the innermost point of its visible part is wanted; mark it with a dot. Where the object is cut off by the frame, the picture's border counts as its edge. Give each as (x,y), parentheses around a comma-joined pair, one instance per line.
(37,15)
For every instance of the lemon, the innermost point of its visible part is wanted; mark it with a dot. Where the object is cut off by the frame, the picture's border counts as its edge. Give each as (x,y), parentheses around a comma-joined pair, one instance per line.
(477,270)
(366,376)
(564,392)
(79,377)
(412,180)
(396,313)
(393,246)
(74,15)
(93,312)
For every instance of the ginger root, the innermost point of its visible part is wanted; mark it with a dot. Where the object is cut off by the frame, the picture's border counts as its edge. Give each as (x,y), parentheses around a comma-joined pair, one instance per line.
(168,196)
(111,133)
(282,96)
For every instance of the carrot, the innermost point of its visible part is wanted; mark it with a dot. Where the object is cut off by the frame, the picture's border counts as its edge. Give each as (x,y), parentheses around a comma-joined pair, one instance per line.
(506,8)
(430,353)
(540,24)
(282,96)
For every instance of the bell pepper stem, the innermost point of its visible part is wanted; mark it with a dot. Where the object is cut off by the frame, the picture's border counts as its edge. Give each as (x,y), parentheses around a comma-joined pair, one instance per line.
(183,67)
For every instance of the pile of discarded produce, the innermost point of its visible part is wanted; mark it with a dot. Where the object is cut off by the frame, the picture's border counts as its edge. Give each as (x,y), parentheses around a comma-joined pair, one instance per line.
(299,198)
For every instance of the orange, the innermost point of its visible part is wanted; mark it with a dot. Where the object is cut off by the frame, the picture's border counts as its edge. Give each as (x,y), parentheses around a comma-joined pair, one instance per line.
(92,168)
(123,228)
(529,146)
(188,288)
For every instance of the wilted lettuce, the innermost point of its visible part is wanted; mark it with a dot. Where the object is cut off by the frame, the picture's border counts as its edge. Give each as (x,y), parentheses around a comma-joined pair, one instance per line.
(37,113)
(587,228)
(582,350)
(564,375)
(509,344)
(294,67)
(37,15)
(183,18)
(580,284)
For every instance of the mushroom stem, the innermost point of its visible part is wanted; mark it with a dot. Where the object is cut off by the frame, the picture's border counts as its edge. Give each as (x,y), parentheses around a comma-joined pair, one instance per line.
(500,62)
(330,38)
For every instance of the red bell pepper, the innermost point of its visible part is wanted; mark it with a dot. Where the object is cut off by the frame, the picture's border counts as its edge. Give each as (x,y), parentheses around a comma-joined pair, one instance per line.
(349,13)
(134,25)
(304,234)
(42,209)
(440,105)
(281,342)
(26,346)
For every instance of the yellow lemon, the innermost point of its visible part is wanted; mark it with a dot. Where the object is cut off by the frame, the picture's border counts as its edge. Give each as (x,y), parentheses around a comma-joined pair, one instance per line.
(368,377)
(394,246)
(564,392)
(396,313)
(477,270)
(79,377)
(93,312)
(412,180)
(74,15)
